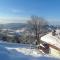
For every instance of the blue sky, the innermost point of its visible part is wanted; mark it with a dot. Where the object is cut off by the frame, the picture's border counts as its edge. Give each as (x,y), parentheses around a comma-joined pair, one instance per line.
(21,10)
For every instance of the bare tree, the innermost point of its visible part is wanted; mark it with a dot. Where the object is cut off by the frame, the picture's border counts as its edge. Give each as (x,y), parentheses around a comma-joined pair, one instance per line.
(37,25)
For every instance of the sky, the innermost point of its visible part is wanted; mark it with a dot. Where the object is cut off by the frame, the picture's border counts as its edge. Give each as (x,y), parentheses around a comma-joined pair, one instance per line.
(19,11)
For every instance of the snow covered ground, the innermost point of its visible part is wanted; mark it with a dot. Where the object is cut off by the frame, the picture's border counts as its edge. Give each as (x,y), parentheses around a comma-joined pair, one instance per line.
(13,51)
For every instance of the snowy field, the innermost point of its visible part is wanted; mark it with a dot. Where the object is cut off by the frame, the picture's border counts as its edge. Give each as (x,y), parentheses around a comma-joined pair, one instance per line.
(9,51)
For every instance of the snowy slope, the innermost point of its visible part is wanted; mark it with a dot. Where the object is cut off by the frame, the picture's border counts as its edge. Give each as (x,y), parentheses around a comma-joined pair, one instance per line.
(9,51)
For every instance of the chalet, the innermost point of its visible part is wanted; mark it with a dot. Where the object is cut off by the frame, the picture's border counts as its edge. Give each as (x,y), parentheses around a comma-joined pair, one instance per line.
(53,41)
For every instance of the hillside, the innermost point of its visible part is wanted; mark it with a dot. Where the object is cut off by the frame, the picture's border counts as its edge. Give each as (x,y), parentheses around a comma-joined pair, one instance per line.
(13,25)
(9,51)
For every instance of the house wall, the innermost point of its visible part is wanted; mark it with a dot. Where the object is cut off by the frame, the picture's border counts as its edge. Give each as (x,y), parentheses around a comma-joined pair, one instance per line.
(54,52)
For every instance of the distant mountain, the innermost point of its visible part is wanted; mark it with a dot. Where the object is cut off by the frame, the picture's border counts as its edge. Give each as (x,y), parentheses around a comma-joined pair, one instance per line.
(13,25)
(22,25)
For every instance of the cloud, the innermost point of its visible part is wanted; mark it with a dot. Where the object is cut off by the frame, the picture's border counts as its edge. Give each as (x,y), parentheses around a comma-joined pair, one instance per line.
(17,11)
(4,20)
(54,21)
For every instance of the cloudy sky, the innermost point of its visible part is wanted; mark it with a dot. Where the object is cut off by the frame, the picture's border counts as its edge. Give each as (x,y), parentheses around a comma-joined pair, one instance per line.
(16,11)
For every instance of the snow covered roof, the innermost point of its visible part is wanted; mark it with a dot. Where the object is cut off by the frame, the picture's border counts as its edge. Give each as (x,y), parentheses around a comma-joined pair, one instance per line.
(53,40)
